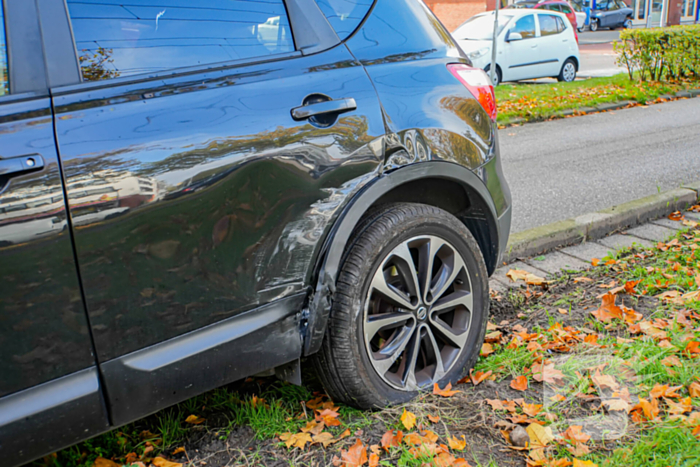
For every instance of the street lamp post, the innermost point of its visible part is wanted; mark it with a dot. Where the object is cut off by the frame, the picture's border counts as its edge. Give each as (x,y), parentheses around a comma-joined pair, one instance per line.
(493,45)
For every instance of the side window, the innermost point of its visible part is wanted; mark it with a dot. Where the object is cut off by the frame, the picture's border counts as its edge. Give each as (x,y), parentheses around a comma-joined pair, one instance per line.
(146,36)
(525,26)
(4,77)
(613,5)
(548,25)
(345,15)
(565,9)
(560,24)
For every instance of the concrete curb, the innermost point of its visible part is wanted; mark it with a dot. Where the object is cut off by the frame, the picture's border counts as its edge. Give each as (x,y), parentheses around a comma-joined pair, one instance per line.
(604,107)
(595,225)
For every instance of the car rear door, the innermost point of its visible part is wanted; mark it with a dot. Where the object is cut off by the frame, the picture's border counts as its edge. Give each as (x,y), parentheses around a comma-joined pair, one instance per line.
(49,387)
(554,43)
(206,147)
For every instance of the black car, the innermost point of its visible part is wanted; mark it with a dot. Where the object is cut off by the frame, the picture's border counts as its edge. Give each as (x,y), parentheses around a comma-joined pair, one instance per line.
(195,192)
(611,14)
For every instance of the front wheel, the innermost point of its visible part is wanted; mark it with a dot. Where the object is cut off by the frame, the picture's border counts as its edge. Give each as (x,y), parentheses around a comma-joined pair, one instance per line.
(498,77)
(568,71)
(627,24)
(409,310)
(594,25)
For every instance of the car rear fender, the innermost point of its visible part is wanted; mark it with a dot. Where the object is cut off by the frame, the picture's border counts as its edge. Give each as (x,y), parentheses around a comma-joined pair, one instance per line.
(470,202)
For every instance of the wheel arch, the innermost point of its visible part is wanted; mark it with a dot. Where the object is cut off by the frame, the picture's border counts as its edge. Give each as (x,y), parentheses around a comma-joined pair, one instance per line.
(575,59)
(445,185)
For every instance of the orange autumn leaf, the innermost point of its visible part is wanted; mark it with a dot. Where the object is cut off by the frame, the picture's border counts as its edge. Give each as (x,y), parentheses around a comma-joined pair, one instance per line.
(595,262)
(692,348)
(486,350)
(160,462)
(694,389)
(355,456)
(446,392)
(391,440)
(373,460)
(650,409)
(575,433)
(408,419)
(675,216)
(519,383)
(194,420)
(433,418)
(298,440)
(329,417)
(580,463)
(479,376)
(608,310)
(457,444)
(531,409)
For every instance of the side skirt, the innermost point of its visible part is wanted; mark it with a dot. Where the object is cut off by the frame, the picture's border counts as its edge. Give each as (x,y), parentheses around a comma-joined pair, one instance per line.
(150,379)
(50,416)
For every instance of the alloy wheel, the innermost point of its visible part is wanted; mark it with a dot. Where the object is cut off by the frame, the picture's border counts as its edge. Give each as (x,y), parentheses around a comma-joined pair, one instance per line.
(569,72)
(418,313)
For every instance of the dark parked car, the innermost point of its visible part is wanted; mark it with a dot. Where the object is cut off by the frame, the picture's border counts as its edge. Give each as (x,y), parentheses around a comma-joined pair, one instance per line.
(195,192)
(611,14)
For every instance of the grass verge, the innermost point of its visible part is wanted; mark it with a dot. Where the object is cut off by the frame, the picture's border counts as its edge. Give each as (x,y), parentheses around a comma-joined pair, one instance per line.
(536,102)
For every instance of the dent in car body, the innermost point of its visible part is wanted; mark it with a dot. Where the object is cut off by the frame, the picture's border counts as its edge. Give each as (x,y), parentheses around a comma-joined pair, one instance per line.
(198,197)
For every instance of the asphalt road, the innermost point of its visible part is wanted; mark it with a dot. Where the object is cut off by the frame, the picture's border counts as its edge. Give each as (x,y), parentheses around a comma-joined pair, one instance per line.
(572,166)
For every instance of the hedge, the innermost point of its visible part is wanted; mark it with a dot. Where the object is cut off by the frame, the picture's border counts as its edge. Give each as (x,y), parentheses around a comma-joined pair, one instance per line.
(662,53)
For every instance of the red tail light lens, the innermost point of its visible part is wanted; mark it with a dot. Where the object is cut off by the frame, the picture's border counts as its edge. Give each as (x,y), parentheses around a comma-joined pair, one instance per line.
(479,84)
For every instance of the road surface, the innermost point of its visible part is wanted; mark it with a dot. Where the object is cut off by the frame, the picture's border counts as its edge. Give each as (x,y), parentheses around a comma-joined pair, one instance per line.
(564,168)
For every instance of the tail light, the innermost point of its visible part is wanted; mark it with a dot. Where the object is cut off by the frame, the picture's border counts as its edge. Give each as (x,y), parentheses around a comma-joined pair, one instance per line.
(479,84)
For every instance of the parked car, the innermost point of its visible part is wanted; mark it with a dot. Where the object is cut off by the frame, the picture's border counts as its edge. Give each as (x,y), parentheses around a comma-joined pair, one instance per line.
(531,44)
(307,181)
(581,16)
(611,14)
(560,6)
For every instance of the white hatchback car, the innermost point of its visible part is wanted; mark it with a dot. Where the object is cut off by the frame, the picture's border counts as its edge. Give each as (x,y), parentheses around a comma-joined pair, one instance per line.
(531,44)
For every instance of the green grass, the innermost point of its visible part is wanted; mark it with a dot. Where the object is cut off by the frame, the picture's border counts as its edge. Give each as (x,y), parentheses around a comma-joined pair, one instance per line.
(664,446)
(507,362)
(543,101)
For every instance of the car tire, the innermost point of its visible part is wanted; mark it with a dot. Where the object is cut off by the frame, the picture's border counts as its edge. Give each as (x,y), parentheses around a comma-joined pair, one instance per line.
(390,251)
(627,24)
(580,29)
(568,71)
(499,74)
(594,25)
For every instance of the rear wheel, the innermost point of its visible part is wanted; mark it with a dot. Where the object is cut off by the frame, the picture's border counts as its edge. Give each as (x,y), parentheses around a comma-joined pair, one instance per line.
(627,24)
(568,71)
(594,25)
(409,310)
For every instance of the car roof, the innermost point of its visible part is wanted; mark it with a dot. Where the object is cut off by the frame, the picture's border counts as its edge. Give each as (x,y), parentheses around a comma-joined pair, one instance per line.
(522,12)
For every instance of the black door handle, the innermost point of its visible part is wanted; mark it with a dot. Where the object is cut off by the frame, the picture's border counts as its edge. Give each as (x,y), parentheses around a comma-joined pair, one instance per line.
(20,165)
(325,107)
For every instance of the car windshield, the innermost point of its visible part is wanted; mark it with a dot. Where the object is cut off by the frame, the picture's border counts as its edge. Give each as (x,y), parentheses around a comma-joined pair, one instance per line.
(480,28)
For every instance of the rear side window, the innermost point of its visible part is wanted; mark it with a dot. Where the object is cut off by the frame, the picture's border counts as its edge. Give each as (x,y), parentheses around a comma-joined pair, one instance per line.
(114,38)
(345,15)
(525,26)
(560,24)
(548,25)
(4,78)
(566,10)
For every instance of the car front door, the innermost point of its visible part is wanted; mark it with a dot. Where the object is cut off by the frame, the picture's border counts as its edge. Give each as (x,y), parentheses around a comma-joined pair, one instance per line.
(524,55)
(205,156)
(49,388)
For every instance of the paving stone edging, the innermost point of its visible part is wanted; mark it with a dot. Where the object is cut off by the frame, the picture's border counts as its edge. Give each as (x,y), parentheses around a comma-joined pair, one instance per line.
(596,225)
(604,107)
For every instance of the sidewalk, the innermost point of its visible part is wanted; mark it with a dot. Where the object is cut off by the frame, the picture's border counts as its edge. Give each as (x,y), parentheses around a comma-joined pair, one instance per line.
(579,257)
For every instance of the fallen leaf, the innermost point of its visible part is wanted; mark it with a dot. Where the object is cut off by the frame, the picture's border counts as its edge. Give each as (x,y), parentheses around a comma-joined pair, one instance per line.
(329,417)
(519,383)
(324,438)
(617,404)
(546,373)
(580,463)
(194,420)
(408,419)
(447,392)
(575,433)
(373,460)
(694,389)
(389,439)
(486,350)
(457,444)
(605,381)
(434,418)
(297,440)
(529,278)
(608,310)
(160,462)
(478,377)
(532,409)
(313,427)
(539,436)
(179,450)
(355,456)
(102,462)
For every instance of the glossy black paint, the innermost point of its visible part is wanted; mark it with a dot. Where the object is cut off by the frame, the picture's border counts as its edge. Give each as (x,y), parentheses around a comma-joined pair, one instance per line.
(51,416)
(209,197)
(43,328)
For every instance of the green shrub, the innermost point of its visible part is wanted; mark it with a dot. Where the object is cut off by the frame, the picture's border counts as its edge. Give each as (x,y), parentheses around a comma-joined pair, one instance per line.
(662,53)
